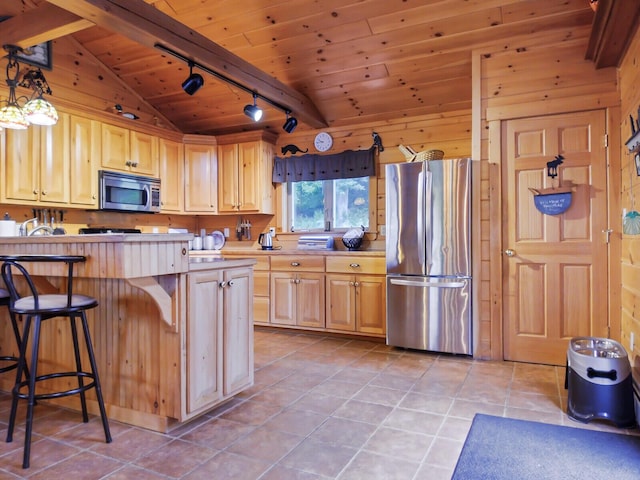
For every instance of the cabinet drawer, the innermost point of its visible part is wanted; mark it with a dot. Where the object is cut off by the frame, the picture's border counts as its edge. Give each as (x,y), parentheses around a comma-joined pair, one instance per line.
(290,263)
(373,265)
(262,261)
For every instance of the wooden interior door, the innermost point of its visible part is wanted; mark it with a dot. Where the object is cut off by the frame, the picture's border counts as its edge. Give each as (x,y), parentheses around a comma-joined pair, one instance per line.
(555,266)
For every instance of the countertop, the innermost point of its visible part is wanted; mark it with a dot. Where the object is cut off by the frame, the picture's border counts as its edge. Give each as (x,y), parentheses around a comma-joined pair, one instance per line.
(289,251)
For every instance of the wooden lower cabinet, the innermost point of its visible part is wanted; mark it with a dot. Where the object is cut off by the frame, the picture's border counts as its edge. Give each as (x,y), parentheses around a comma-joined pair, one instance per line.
(297,299)
(356,302)
(219,336)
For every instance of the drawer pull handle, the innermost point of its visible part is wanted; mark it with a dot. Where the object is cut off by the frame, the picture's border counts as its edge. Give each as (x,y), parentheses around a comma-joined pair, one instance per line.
(295,264)
(354,265)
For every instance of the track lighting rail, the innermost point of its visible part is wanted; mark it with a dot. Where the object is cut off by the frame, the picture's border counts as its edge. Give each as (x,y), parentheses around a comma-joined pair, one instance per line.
(224,78)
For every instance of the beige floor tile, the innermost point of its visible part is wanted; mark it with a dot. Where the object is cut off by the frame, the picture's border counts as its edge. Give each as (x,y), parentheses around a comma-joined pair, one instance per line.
(228,466)
(340,431)
(266,443)
(414,421)
(380,395)
(218,433)
(399,444)
(320,458)
(368,465)
(176,458)
(299,422)
(363,411)
(84,466)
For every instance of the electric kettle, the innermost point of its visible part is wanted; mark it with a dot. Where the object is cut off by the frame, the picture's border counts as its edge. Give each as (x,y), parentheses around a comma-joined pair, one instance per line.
(266,241)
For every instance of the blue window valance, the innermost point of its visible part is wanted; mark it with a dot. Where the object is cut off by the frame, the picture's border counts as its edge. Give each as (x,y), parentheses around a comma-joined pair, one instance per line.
(309,167)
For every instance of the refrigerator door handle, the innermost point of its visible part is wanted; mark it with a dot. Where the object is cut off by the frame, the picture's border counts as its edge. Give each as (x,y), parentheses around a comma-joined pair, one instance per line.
(414,283)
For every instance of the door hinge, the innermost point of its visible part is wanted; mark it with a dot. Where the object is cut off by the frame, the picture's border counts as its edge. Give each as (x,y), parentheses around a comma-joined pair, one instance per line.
(605,140)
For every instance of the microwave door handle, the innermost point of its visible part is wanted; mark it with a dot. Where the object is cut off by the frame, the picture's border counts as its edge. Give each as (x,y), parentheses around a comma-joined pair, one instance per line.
(147,196)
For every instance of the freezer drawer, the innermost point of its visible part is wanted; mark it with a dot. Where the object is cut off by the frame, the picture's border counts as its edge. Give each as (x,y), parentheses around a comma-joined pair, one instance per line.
(429,313)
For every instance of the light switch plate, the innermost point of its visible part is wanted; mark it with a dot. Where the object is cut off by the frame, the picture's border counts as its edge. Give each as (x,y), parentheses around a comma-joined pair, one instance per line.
(272,231)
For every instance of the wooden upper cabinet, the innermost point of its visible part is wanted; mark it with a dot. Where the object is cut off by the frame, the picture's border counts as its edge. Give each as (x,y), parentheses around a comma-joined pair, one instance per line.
(35,164)
(200,185)
(245,172)
(84,161)
(129,151)
(171,163)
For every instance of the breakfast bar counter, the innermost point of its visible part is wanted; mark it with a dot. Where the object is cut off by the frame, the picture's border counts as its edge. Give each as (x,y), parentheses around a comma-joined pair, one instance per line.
(173,337)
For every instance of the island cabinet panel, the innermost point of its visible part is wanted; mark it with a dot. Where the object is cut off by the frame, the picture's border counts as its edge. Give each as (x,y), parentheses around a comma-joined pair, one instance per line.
(172,339)
(204,340)
(261,287)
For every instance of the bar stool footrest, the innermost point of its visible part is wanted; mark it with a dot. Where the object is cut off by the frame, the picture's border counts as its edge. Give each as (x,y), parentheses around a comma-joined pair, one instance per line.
(8,368)
(65,393)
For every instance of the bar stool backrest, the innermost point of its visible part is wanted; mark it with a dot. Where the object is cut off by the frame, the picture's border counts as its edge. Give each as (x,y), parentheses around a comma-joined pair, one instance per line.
(14,263)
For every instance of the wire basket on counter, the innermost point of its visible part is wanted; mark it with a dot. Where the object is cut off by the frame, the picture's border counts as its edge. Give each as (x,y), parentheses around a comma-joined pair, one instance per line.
(352,243)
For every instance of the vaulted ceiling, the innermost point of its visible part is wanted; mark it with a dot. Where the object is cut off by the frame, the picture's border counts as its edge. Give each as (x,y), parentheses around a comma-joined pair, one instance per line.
(332,62)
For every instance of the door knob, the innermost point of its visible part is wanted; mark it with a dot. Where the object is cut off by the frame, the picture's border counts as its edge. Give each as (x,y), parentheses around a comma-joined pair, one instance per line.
(509,253)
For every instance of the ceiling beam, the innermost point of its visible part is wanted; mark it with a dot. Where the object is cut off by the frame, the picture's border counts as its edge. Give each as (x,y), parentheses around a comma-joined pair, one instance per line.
(40,24)
(148,26)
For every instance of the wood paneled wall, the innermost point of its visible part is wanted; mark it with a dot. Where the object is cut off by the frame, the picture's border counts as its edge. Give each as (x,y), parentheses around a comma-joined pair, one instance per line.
(533,75)
(629,78)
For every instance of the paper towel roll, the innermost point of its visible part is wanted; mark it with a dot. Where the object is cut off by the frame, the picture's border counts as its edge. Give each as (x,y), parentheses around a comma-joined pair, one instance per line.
(7,228)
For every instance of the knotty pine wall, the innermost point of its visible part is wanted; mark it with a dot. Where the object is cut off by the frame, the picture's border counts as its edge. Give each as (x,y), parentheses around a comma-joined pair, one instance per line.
(629,78)
(532,75)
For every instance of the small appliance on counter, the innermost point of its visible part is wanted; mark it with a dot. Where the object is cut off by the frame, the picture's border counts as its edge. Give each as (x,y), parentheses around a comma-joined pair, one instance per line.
(8,227)
(315,242)
(266,241)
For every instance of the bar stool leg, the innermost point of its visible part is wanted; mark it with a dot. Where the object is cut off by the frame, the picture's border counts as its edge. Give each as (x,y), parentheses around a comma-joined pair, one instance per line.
(22,365)
(96,378)
(76,351)
(32,390)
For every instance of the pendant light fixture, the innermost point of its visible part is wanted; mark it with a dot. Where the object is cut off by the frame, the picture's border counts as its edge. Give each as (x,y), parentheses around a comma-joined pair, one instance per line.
(37,110)
(253,111)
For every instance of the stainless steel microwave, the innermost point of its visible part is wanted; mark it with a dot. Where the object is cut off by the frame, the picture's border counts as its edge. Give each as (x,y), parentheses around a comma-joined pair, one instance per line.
(129,193)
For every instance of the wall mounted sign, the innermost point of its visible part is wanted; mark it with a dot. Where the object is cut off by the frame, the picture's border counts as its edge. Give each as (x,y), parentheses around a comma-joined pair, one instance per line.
(552,203)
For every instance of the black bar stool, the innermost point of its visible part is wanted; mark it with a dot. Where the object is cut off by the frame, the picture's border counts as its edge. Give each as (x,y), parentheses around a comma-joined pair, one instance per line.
(36,307)
(9,362)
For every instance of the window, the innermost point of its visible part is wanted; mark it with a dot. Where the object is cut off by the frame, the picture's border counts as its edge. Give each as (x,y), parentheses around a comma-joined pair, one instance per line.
(338,204)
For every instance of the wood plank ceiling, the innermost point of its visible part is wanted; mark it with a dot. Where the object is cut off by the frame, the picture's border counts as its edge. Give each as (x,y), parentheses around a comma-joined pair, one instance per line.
(353,61)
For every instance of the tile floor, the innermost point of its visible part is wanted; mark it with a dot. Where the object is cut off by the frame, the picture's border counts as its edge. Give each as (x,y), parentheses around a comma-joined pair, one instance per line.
(321,408)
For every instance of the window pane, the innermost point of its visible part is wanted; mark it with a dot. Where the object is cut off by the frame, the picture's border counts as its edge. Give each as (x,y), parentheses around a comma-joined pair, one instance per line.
(308,205)
(351,202)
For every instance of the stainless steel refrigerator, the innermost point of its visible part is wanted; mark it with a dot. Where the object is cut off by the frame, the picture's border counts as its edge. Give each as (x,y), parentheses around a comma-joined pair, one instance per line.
(428,253)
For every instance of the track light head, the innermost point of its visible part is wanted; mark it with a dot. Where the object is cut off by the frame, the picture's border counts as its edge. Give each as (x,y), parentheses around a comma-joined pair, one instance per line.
(193,83)
(253,111)
(290,124)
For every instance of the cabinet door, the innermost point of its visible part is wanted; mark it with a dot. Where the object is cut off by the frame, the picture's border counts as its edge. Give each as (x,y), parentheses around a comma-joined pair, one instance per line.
(341,306)
(371,304)
(283,298)
(84,158)
(20,166)
(54,162)
(115,148)
(204,340)
(200,178)
(249,179)
(144,154)
(228,194)
(310,299)
(260,297)
(171,156)
(237,330)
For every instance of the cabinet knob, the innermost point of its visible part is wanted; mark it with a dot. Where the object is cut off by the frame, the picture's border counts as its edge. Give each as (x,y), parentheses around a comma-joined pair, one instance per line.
(351,284)
(354,265)
(44,192)
(128,163)
(295,264)
(222,284)
(134,164)
(35,191)
(356,284)
(230,283)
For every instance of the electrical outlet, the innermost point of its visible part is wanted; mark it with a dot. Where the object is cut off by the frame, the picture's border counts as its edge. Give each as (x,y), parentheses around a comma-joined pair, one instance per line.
(383,230)
(632,341)
(272,231)
(226,232)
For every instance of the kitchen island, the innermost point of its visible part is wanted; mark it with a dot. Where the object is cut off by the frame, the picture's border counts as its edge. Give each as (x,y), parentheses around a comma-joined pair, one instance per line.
(173,336)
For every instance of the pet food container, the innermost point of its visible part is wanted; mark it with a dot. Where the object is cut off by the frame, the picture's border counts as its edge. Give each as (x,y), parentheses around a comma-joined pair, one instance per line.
(599,382)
